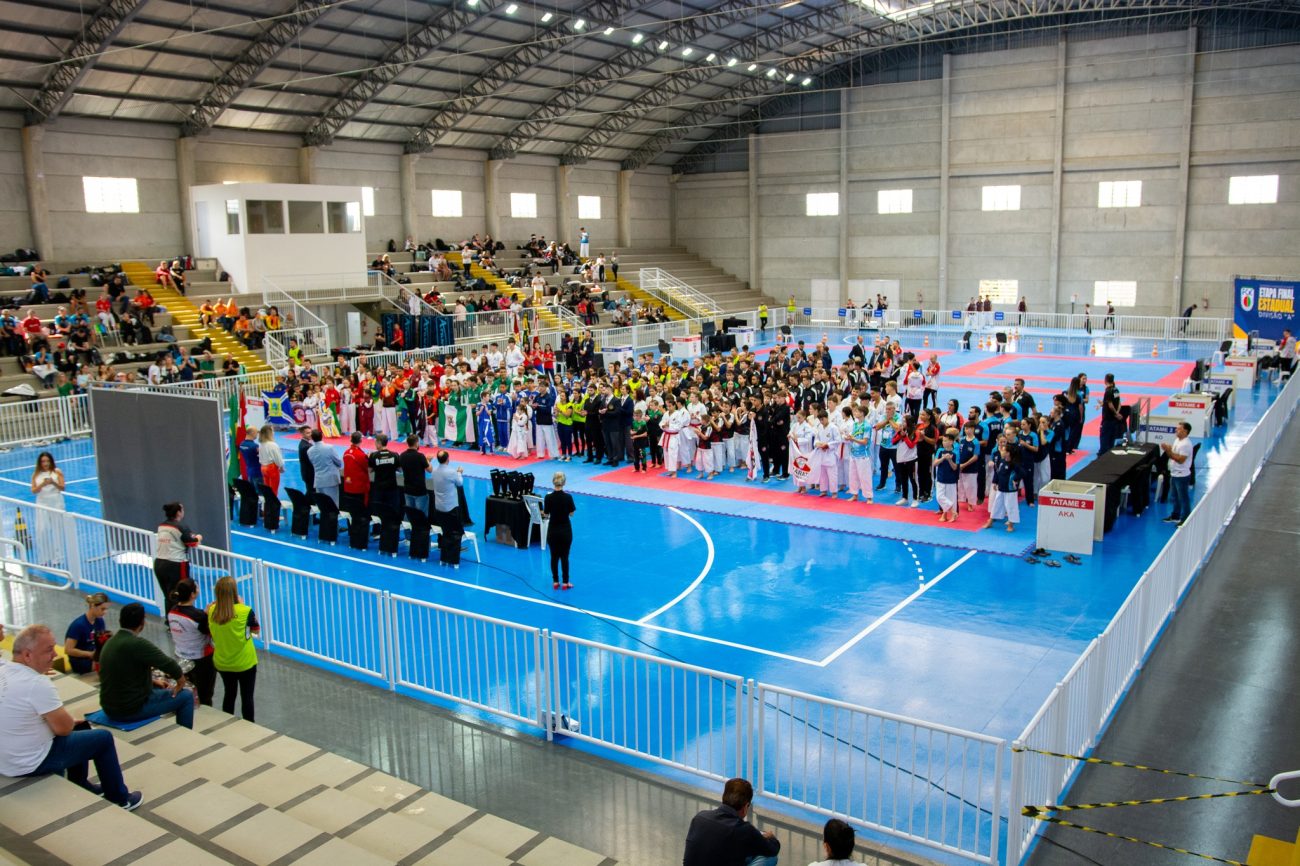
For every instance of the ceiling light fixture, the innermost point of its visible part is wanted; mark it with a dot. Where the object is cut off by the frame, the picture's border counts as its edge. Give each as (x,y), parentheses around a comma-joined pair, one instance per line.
(471,3)
(752,67)
(547,17)
(663,46)
(789,76)
(771,73)
(806,82)
(789,3)
(512,8)
(711,58)
(637,38)
(732,61)
(579,24)
(609,30)
(687,51)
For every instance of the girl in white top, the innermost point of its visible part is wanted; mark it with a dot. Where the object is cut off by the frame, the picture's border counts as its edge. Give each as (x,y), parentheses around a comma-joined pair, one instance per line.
(826,456)
(675,420)
(270,457)
(520,428)
(347,410)
(311,407)
(801,443)
(48,484)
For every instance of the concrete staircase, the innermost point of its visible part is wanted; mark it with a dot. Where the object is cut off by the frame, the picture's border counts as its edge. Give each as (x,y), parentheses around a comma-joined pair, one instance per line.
(549,321)
(185,313)
(230,791)
(727,291)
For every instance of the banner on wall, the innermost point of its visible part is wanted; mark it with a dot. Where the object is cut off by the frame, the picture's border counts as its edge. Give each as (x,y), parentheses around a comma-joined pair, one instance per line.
(1265,305)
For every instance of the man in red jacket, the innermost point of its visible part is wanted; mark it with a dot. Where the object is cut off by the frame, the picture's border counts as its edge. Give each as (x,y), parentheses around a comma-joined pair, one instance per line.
(356,476)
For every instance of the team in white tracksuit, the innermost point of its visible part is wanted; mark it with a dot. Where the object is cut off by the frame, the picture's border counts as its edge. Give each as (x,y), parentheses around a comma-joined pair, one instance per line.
(673,426)
(826,456)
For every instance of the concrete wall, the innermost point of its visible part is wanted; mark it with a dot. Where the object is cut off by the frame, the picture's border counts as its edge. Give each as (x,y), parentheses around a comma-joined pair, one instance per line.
(77,147)
(1137,108)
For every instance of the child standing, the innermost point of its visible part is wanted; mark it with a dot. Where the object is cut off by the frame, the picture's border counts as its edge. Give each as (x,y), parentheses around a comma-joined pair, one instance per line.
(486,427)
(968,458)
(946,475)
(1004,477)
(521,428)
(704,448)
(640,438)
(859,461)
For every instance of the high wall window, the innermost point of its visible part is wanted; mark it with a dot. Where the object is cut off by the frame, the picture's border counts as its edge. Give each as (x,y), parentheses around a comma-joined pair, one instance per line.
(1001,198)
(1000,291)
(1253,189)
(1119,193)
(368,200)
(588,207)
(823,204)
(446,203)
(111,194)
(1121,293)
(894,201)
(232,216)
(523,205)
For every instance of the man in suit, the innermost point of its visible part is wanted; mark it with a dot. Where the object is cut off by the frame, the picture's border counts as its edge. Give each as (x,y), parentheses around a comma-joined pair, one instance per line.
(327,467)
(304,462)
(595,438)
(611,425)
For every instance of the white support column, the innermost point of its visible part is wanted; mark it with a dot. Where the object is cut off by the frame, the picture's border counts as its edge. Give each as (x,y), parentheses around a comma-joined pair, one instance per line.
(565,227)
(186,178)
(625,207)
(410,221)
(307,163)
(1184,175)
(755,263)
(844,194)
(491,207)
(1058,179)
(672,209)
(944,128)
(38,201)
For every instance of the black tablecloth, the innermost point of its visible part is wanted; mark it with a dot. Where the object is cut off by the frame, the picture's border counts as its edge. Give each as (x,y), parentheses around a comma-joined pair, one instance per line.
(1119,469)
(512,512)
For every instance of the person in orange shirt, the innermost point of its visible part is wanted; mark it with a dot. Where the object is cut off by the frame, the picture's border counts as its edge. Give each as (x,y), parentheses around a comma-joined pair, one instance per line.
(207,314)
(273,320)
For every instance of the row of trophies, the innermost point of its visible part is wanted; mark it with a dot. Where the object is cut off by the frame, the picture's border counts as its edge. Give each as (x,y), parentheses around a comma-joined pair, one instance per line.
(512,485)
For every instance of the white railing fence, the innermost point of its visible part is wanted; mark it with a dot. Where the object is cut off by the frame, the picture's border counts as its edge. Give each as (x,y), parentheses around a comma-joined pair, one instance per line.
(44,420)
(1076,712)
(929,783)
(676,293)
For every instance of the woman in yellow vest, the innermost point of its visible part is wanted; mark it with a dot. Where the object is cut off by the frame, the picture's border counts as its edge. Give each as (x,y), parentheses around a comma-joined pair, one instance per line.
(233,626)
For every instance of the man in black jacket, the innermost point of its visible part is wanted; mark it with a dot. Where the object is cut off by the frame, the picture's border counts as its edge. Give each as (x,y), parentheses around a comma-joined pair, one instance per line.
(722,837)
(304,462)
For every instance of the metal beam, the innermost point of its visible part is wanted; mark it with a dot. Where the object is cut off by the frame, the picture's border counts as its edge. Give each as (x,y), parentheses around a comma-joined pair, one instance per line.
(439,27)
(687,31)
(255,58)
(507,69)
(105,23)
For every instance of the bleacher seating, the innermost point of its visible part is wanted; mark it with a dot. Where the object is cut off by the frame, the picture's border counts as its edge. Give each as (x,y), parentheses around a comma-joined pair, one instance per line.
(234,791)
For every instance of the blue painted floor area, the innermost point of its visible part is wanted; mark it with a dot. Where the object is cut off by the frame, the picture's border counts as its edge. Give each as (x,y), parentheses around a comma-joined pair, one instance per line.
(940,625)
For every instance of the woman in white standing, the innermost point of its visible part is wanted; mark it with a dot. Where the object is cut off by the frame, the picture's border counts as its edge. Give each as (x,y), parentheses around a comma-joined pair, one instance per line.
(801,443)
(270,457)
(47,484)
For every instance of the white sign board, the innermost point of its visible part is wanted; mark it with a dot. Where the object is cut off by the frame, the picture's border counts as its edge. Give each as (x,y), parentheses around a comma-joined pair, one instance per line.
(1195,409)
(686,348)
(1243,363)
(1071,515)
(1159,429)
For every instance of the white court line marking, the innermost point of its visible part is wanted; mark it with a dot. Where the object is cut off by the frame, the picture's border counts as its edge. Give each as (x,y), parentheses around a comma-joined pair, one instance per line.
(894,610)
(533,600)
(708,564)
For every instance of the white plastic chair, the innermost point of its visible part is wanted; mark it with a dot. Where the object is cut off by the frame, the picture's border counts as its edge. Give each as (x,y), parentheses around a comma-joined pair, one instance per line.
(535,518)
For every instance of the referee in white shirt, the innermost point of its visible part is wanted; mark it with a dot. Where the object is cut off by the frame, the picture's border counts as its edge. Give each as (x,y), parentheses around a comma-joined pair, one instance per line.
(1180,473)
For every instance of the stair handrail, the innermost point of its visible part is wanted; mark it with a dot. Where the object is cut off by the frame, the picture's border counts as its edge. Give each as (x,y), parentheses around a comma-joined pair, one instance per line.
(677,293)
(386,281)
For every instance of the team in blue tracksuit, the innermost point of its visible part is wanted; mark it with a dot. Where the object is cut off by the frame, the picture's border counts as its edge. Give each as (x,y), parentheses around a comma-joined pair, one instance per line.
(486,428)
(503,409)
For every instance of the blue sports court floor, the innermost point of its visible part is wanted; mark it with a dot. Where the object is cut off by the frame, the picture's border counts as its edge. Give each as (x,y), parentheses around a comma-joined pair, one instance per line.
(872,605)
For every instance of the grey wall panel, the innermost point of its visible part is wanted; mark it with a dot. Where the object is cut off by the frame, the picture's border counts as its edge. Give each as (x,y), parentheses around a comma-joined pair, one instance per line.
(155,448)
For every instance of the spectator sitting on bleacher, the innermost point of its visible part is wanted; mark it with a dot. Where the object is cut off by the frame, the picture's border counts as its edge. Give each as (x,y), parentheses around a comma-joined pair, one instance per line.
(40,291)
(39,737)
(178,276)
(32,328)
(257,332)
(144,305)
(61,324)
(162,275)
(207,315)
(230,366)
(128,691)
(79,338)
(116,287)
(273,320)
(226,314)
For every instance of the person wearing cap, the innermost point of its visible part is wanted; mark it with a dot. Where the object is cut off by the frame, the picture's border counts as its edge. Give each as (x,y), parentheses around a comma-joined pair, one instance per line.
(86,634)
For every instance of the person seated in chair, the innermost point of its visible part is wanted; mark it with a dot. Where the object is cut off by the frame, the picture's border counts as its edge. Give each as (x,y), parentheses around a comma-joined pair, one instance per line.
(128,691)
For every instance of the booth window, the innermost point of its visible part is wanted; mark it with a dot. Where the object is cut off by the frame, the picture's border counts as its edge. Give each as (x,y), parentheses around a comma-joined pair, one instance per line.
(344,216)
(265,217)
(305,218)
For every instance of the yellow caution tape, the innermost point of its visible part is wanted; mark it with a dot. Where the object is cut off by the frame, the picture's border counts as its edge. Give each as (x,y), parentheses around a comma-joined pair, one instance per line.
(1032,811)
(1140,767)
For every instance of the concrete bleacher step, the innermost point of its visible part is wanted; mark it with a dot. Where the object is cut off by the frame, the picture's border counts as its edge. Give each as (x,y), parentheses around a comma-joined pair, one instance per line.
(241,793)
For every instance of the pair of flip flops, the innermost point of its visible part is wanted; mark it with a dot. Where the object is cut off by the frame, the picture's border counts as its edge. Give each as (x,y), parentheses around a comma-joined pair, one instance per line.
(1039,555)
(1034,560)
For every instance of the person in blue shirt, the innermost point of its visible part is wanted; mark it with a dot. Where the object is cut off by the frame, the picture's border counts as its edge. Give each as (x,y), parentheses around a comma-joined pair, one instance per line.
(503,409)
(990,428)
(86,634)
(946,474)
(486,427)
(1004,478)
(248,454)
(968,465)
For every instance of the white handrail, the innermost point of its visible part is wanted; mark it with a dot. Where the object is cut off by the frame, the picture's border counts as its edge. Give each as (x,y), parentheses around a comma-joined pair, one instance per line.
(677,293)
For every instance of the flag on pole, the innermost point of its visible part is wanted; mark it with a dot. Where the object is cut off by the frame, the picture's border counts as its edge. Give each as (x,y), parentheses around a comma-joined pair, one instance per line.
(237,408)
